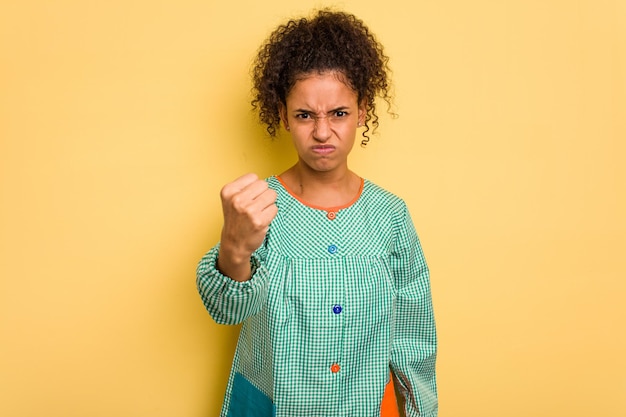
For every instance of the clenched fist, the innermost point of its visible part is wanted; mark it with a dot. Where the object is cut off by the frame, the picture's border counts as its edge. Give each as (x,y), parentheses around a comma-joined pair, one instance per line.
(248,206)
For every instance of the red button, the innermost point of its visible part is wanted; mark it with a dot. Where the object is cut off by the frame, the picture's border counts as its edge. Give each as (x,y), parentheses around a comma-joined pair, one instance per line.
(334,368)
(331,215)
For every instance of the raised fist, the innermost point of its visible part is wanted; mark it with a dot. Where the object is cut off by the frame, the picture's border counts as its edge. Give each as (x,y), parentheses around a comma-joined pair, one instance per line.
(249,208)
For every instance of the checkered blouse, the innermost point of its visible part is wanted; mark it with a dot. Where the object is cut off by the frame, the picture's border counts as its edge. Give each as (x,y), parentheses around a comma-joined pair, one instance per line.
(338,298)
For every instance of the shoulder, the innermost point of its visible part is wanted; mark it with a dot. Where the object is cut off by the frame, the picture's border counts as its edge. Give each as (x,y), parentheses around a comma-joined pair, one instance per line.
(275,184)
(393,211)
(272,181)
(377,195)
(282,193)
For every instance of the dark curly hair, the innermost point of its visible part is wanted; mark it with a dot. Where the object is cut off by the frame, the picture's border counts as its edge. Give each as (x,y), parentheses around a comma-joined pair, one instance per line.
(330,41)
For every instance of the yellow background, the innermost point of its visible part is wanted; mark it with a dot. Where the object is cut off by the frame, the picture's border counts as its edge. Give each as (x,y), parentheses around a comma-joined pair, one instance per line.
(121,120)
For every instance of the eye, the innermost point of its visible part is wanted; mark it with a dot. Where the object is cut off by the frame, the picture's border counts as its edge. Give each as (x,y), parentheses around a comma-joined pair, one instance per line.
(303,116)
(341,113)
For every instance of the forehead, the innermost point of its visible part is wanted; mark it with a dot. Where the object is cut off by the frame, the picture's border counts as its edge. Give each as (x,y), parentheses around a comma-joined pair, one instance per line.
(321,90)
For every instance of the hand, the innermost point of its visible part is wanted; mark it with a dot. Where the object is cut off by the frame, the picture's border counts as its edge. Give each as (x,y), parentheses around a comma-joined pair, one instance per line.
(248,206)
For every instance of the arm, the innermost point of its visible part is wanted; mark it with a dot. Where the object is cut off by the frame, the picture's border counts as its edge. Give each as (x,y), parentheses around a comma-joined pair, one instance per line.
(248,207)
(231,278)
(229,301)
(414,348)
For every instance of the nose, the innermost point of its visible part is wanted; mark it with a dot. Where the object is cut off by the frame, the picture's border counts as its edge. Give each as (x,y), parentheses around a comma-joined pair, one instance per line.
(322,131)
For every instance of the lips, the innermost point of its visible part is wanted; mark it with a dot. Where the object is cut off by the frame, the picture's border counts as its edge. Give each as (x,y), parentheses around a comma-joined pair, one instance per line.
(323,149)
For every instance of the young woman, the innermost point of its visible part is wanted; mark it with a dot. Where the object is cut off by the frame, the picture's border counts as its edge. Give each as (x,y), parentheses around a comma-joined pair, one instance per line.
(323,268)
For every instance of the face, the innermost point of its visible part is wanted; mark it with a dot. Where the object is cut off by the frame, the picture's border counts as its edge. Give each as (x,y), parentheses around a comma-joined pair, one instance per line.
(322,114)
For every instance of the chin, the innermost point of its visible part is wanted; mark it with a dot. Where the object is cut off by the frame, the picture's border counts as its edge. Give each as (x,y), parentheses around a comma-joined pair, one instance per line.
(318,168)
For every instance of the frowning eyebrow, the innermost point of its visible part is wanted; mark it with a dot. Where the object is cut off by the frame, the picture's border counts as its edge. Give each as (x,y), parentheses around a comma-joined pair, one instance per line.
(340,108)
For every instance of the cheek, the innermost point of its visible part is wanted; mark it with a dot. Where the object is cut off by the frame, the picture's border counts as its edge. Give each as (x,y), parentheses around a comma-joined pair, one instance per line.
(347,131)
(298,137)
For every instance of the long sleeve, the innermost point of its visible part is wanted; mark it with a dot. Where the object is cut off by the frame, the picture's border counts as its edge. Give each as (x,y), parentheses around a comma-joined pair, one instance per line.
(226,300)
(414,348)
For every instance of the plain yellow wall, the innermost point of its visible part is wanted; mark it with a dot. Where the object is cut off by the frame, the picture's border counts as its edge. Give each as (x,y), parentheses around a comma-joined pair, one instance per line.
(120,121)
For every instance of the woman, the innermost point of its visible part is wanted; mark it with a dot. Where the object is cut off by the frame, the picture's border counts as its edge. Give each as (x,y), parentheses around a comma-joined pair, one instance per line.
(323,268)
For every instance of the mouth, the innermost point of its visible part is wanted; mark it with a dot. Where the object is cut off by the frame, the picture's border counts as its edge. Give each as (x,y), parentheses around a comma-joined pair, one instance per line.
(323,149)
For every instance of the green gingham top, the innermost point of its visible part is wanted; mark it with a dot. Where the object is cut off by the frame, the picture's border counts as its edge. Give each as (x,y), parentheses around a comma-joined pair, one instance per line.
(337,299)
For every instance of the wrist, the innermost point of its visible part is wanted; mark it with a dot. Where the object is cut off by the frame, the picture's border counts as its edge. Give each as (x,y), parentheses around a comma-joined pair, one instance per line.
(234,263)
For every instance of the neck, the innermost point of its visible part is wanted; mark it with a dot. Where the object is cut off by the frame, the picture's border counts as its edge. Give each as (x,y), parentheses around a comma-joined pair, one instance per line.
(326,189)
(336,178)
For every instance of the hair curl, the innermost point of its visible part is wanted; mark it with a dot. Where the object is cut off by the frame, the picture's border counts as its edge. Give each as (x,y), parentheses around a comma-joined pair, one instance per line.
(330,41)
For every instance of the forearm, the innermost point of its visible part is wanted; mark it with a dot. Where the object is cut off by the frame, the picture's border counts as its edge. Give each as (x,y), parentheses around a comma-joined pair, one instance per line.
(234,263)
(414,369)
(229,301)
(414,350)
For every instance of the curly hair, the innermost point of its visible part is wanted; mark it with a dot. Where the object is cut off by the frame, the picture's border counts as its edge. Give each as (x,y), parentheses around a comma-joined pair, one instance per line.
(330,41)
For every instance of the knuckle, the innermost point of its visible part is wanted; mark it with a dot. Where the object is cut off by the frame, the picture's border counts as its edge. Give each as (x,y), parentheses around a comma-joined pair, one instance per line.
(224,195)
(246,180)
(238,203)
(251,176)
(227,191)
(258,223)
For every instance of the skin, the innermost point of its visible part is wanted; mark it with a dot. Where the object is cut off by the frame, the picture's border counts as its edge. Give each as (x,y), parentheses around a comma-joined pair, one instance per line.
(322,114)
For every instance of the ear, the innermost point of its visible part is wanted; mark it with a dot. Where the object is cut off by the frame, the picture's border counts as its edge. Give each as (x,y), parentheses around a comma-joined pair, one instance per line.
(282,110)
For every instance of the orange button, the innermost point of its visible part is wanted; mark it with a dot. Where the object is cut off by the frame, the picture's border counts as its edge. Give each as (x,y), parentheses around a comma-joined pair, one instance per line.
(331,215)
(334,368)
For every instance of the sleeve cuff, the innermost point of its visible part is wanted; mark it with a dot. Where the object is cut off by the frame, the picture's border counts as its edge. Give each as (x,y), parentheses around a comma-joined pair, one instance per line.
(229,301)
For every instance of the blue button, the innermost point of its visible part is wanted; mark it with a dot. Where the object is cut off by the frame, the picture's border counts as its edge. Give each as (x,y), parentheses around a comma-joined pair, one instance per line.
(332,249)
(337,309)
